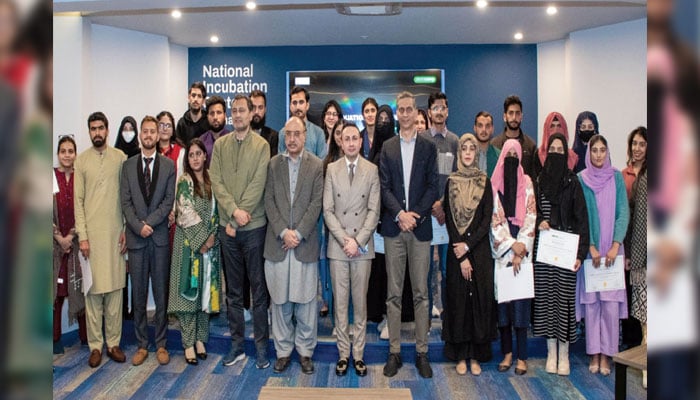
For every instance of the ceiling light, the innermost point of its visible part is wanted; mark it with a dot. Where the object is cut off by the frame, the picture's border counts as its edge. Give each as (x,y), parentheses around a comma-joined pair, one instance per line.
(214,39)
(176,14)
(551,10)
(482,3)
(369,9)
(250,5)
(518,36)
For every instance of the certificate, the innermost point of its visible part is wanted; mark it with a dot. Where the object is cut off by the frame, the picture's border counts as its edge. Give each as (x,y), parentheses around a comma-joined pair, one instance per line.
(439,233)
(87,272)
(604,278)
(557,248)
(514,287)
(378,243)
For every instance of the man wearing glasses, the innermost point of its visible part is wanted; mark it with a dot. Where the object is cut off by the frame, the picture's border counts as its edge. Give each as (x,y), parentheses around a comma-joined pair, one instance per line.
(238,173)
(216,115)
(315,139)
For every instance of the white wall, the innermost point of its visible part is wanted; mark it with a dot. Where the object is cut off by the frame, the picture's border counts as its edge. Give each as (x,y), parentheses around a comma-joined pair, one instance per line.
(602,70)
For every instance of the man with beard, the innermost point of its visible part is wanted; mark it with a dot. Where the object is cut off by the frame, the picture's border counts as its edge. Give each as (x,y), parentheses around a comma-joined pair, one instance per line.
(488,153)
(258,124)
(216,115)
(238,173)
(513,117)
(315,139)
(147,196)
(98,223)
(192,125)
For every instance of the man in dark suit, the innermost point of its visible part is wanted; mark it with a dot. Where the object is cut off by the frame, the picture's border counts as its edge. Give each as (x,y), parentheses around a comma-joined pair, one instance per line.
(147,196)
(293,200)
(409,182)
(258,123)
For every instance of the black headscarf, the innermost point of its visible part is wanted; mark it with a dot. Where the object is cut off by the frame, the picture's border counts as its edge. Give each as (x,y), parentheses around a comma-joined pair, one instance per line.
(132,148)
(554,170)
(510,185)
(382,133)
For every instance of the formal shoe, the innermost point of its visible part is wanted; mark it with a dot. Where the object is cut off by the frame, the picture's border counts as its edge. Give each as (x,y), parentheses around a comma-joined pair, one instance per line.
(461,368)
(392,364)
(95,358)
(307,366)
(116,354)
(360,368)
(281,364)
(233,357)
(190,356)
(341,367)
(201,350)
(162,356)
(476,368)
(140,356)
(261,360)
(423,365)
(521,371)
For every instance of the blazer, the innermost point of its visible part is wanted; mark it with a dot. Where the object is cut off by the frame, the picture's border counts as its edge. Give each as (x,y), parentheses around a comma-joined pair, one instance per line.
(153,210)
(306,208)
(423,188)
(351,210)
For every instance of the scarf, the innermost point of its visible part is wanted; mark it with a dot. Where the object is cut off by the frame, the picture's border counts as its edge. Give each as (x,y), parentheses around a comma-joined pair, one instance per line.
(554,171)
(580,147)
(498,181)
(602,182)
(547,132)
(466,186)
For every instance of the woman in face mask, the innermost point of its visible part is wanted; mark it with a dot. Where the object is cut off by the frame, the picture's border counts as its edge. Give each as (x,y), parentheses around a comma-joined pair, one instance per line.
(554,123)
(586,127)
(560,206)
(127,137)
(512,237)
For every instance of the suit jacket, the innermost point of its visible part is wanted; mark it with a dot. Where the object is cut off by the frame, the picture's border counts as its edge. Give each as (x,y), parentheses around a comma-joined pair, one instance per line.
(351,210)
(153,210)
(306,208)
(423,188)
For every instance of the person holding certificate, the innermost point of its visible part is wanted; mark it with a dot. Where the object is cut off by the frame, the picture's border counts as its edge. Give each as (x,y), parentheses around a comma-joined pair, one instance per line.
(512,236)
(469,320)
(560,206)
(608,216)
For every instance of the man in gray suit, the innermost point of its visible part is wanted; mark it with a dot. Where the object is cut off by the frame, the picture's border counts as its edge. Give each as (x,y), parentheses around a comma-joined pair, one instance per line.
(351,211)
(147,196)
(293,200)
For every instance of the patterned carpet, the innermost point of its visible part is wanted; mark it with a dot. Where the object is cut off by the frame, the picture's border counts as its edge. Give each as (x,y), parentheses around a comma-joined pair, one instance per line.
(74,379)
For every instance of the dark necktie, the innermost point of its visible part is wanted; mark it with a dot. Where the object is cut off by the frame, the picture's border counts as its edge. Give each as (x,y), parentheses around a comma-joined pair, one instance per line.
(147,175)
(352,172)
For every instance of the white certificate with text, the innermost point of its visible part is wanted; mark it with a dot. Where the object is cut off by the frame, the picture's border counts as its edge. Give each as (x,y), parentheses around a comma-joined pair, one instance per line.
(604,278)
(439,233)
(557,248)
(514,287)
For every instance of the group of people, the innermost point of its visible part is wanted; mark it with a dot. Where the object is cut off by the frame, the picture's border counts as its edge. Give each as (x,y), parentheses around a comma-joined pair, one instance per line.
(279,212)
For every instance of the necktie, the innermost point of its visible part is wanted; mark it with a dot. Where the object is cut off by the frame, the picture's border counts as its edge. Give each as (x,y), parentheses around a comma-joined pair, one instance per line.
(147,175)
(352,172)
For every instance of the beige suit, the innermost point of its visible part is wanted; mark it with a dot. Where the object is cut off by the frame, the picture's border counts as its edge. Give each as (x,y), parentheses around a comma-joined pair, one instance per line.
(351,211)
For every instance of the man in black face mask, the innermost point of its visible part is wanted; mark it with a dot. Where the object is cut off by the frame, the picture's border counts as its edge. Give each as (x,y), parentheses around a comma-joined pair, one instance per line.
(586,127)
(513,117)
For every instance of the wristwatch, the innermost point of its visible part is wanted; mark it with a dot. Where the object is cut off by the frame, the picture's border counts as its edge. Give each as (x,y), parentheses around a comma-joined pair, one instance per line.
(466,248)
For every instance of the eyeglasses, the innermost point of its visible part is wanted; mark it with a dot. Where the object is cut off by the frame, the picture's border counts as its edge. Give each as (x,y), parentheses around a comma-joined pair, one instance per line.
(438,108)
(163,125)
(331,114)
(406,110)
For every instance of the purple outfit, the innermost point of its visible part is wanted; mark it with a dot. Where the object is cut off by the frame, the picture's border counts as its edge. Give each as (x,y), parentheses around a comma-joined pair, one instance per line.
(208,139)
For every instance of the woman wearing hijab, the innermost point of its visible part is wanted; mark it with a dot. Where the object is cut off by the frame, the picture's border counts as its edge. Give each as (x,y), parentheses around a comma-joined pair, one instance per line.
(127,137)
(560,206)
(608,216)
(512,237)
(586,127)
(554,123)
(385,130)
(470,310)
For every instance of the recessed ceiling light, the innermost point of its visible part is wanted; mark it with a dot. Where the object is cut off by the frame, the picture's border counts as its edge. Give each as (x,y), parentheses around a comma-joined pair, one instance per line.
(176,14)
(250,5)
(369,9)
(551,10)
(214,39)
(518,36)
(482,3)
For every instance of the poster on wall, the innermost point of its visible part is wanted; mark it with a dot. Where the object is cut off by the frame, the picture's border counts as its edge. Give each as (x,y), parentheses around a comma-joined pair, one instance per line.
(350,88)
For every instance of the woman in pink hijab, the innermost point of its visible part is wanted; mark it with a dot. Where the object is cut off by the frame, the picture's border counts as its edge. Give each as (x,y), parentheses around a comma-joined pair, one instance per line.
(554,123)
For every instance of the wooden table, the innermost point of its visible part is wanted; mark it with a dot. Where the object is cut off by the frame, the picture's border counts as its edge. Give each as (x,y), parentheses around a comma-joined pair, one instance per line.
(635,357)
(313,393)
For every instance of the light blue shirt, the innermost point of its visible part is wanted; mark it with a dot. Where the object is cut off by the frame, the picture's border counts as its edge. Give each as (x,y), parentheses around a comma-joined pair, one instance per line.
(407,149)
(315,140)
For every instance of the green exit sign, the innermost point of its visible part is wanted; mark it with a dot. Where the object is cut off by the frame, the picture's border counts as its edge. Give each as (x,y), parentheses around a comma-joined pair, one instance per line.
(422,79)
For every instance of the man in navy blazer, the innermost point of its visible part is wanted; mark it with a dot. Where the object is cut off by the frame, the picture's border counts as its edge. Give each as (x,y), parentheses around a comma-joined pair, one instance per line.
(409,182)
(147,195)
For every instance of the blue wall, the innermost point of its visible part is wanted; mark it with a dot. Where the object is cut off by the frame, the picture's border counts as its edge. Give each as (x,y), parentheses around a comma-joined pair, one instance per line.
(476,76)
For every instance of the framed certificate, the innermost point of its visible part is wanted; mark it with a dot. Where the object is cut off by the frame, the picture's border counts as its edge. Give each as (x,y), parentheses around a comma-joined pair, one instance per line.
(515,287)
(604,278)
(557,248)
(439,232)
